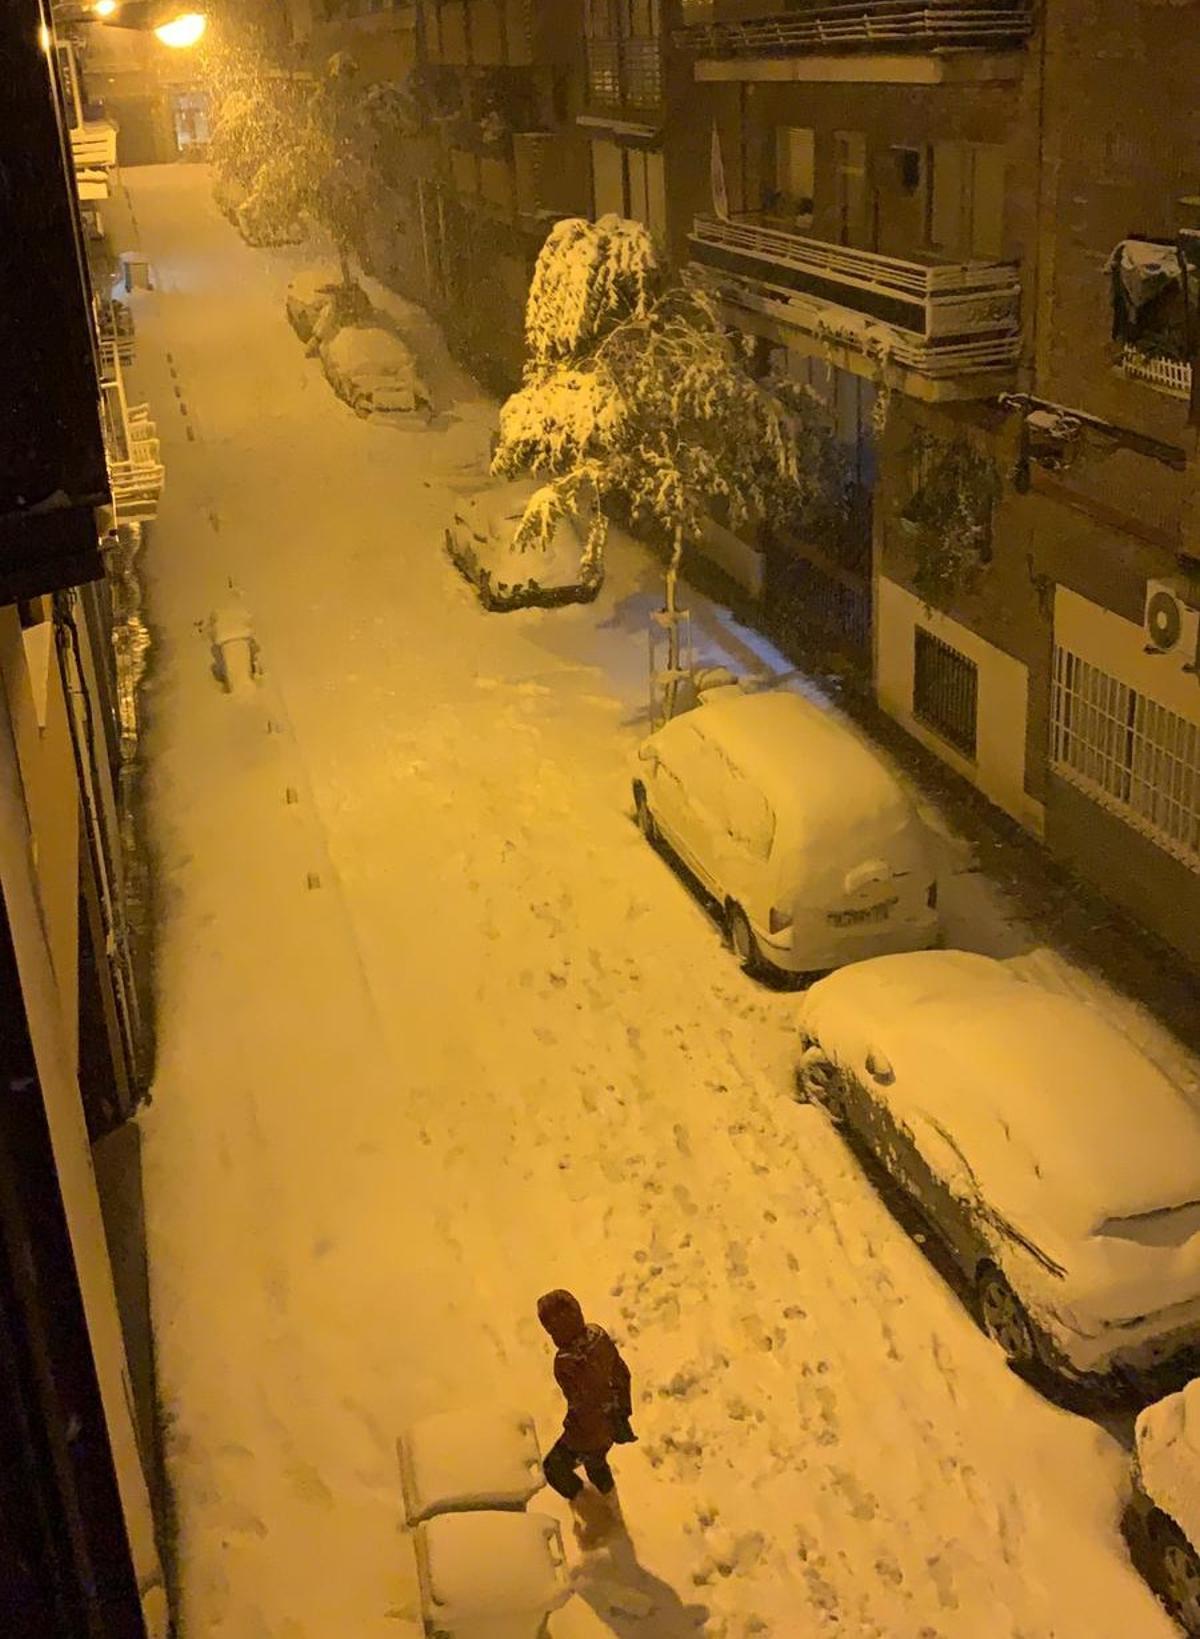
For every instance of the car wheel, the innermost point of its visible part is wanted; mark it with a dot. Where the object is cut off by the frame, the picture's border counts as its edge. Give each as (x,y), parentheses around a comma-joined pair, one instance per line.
(1004,1320)
(817,1082)
(741,937)
(647,824)
(1177,1572)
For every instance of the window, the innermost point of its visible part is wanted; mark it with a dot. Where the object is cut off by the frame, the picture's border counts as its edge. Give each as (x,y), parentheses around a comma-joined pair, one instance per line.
(629,182)
(608,179)
(945,691)
(965,202)
(794,173)
(1129,753)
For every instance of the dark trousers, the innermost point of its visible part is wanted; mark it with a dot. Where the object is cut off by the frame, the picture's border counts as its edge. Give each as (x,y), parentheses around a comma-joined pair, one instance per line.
(560,1465)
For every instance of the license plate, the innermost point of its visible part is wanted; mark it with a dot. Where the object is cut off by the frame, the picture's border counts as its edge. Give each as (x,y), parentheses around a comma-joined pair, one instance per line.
(868,913)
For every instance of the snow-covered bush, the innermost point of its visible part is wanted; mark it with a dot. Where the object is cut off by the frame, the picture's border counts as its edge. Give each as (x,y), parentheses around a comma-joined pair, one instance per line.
(272,211)
(590,277)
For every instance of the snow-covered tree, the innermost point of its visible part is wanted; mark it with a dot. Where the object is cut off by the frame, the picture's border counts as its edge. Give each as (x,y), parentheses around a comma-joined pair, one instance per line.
(634,389)
(336,149)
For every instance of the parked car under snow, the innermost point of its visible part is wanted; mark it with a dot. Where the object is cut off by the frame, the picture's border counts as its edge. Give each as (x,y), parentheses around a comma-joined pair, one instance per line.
(1164,1514)
(1059,1167)
(812,849)
(313,294)
(511,570)
(372,369)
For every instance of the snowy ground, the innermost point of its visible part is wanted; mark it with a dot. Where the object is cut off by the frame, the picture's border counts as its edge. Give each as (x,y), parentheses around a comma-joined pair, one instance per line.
(438,1032)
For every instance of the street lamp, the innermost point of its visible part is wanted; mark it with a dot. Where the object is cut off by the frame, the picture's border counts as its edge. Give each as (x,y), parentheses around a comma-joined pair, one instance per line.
(182,31)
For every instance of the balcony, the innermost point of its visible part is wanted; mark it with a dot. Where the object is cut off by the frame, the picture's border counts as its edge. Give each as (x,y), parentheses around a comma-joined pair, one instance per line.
(945,325)
(624,73)
(135,472)
(897,34)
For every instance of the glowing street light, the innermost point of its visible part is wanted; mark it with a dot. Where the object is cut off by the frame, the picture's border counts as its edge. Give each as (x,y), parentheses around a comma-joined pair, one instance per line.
(104,8)
(182,31)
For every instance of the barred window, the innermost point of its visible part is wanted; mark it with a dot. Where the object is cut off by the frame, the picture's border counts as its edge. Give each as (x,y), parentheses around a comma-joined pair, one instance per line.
(945,690)
(1129,753)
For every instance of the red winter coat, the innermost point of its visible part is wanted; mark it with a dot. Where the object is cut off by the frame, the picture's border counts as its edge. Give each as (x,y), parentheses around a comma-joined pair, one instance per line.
(595,1381)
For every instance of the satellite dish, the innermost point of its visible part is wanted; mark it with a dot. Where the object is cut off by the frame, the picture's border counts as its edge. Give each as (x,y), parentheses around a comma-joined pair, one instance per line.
(1164,625)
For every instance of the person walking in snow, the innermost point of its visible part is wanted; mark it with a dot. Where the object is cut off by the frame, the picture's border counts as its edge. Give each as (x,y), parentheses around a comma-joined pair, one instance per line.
(596,1386)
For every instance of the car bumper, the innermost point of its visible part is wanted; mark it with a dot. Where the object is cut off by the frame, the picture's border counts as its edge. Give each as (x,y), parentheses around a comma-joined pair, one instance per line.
(817,948)
(1139,1351)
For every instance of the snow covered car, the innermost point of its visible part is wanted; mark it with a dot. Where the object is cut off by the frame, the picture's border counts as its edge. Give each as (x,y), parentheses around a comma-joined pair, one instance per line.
(484,541)
(372,369)
(312,294)
(1165,1509)
(810,846)
(1059,1166)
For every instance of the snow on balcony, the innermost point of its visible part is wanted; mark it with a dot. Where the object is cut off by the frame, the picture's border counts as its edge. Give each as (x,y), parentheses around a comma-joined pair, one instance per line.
(135,472)
(865,25)
(937,318)
(1171,376)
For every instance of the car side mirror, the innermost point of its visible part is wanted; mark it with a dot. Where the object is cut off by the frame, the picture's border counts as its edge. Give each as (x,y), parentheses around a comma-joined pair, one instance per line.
(879,1069)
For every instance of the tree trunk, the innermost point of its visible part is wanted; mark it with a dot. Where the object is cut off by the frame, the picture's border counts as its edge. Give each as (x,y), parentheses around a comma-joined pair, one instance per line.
(344,262)
(671,696)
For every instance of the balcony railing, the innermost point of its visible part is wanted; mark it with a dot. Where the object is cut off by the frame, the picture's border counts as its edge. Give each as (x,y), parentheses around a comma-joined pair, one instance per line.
(1170,376)
(867,25)
(939,318)
(135,471)
(624,73)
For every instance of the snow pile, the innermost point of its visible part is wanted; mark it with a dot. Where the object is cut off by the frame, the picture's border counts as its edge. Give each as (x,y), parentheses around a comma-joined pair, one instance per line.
(373,370)
(495,539)
(490,1575)
(455,1460)
(1168,1458)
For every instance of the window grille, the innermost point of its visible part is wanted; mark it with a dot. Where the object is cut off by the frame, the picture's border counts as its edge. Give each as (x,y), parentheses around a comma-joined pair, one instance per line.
(1129,753)
(945,691)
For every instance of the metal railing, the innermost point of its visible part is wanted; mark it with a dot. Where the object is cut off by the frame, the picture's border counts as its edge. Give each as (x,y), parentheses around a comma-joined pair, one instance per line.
(624,73)
(135,471)
(870,25)
(1171,376)
(937,317)
(836,326)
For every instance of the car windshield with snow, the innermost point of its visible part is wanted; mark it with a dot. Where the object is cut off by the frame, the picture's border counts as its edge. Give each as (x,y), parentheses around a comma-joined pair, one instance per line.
(811,847)
(1058,1164)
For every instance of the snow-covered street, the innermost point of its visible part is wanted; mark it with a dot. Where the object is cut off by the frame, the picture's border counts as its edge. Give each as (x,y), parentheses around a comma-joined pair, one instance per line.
(438,1032)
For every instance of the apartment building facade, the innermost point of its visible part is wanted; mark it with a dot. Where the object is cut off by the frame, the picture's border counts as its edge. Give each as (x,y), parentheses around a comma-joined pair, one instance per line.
(78,1552)
(964,232)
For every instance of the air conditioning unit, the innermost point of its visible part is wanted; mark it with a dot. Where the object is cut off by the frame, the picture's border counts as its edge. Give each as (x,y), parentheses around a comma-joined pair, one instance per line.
(1171,624)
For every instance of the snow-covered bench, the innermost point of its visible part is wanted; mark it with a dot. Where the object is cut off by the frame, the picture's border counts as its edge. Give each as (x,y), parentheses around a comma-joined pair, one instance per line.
(459,1460)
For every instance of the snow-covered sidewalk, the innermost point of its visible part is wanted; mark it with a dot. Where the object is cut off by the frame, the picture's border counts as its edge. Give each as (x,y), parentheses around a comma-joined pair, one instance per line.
(437,1032)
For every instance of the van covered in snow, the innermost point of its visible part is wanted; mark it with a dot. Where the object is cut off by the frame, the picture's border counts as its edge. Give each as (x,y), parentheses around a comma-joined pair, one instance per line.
(788,818)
